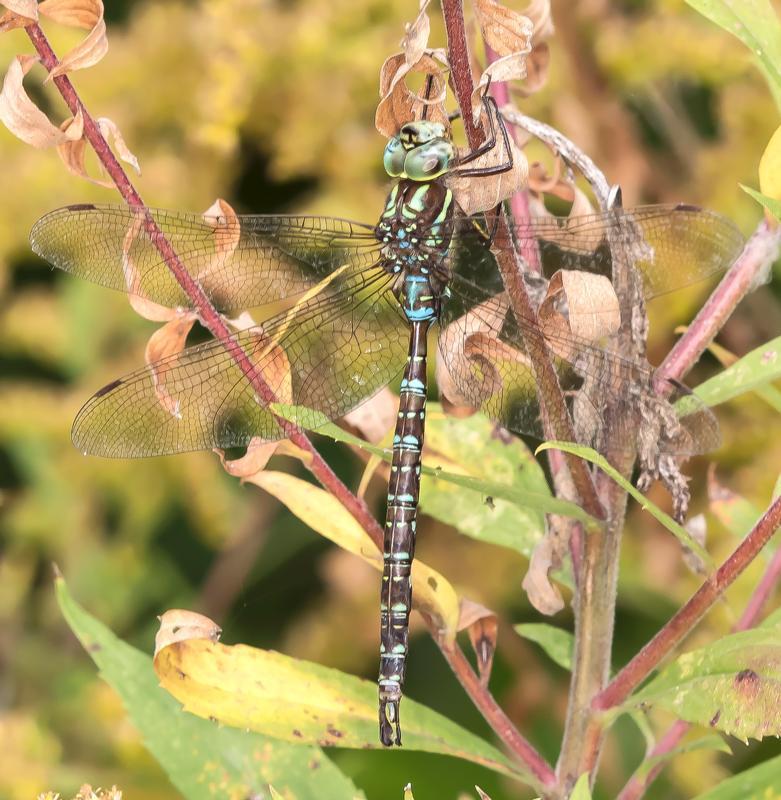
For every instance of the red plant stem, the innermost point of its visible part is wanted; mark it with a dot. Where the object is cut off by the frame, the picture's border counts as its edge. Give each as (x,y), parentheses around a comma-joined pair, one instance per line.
(549,390)
(683,622)
(501,725)
(460,70)
(519,202)
(760,251)
(637,785)
(216,325)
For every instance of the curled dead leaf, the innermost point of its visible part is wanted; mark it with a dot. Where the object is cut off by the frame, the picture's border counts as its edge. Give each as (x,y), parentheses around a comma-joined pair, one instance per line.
(112,134)
(22,8)
(482,625)
(468,352)
(578,306)
(415,40)
(92,49)
(73,155)
(258,454)
(167,341)
(398,104)
(542,593)
(179,625)
(22,117)
(227,234)
(75,13)
(375,418)
(477,194)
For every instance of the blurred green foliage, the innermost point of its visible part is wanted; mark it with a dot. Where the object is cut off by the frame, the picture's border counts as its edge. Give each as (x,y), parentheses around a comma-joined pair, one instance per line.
(271,106)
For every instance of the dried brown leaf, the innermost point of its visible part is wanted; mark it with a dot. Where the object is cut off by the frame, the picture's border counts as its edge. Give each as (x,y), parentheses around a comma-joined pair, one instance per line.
(398,104)
(468,346)
(505,31)
(179,625)
(579,303)
(484,192)
(415,40)
(22,117)
(167,341)
(22,8)
(258,454)
(92,49)
(542,593)
(375,418)
(138,301)
(75,13)
(112,134)
(482,625)
(73,156)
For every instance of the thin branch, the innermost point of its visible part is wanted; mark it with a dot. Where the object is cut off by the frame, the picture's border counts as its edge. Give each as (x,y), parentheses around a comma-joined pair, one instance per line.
(216,325)
(637,785)
(498,720)
(567,149)
(683,622)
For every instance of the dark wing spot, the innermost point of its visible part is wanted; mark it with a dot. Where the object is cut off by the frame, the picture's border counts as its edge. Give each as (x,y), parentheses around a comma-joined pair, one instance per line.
(687,207)
(81,207)
(109,387)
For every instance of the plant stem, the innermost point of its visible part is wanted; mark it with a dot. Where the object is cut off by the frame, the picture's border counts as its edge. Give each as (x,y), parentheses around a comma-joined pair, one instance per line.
(482,699)
(637,785)
(498,720)
(683,622)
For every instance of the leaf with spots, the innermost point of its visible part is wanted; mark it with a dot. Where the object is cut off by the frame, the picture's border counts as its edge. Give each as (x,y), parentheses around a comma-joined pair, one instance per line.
(203,760)
(298,701)
(733,685)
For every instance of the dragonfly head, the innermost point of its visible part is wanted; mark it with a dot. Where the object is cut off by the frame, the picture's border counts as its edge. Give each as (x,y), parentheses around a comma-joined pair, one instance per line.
(422,151)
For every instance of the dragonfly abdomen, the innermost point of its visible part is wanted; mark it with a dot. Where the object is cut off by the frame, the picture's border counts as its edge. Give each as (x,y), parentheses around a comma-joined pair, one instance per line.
(400,525)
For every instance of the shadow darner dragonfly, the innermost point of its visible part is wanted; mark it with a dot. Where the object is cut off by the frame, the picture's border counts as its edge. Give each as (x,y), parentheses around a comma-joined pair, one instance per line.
(362,301)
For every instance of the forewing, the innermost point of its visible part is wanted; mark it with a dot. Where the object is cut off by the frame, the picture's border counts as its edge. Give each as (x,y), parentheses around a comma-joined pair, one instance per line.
(239,261)
(326,355)
(671,246)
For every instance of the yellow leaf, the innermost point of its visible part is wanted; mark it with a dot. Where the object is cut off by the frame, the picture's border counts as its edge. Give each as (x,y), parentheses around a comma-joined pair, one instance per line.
(325,514)
(770,167)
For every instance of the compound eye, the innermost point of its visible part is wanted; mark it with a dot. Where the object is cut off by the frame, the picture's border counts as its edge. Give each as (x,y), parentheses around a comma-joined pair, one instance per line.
(429,161)
(393,158)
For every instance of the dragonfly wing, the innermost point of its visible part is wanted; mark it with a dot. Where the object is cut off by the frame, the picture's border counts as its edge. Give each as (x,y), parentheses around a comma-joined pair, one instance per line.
(325,356)
(671,246)
(487,362)
(239,261)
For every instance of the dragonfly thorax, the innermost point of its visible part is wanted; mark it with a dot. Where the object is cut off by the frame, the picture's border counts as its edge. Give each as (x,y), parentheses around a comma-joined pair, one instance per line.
(415,230)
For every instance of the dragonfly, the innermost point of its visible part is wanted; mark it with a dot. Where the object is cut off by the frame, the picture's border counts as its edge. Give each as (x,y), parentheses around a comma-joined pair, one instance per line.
(355,305)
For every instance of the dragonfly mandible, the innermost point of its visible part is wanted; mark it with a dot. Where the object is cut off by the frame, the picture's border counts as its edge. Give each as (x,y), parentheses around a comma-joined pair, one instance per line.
(368,296)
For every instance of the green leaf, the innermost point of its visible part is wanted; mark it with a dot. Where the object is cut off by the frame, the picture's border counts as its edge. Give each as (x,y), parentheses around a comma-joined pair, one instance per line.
(732,685)
(762,782)
(203,760)
(557,643)
(773,206)
(755,23)
(296,700)
(517,491)
(757,368)
(581,790)
(680,533)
